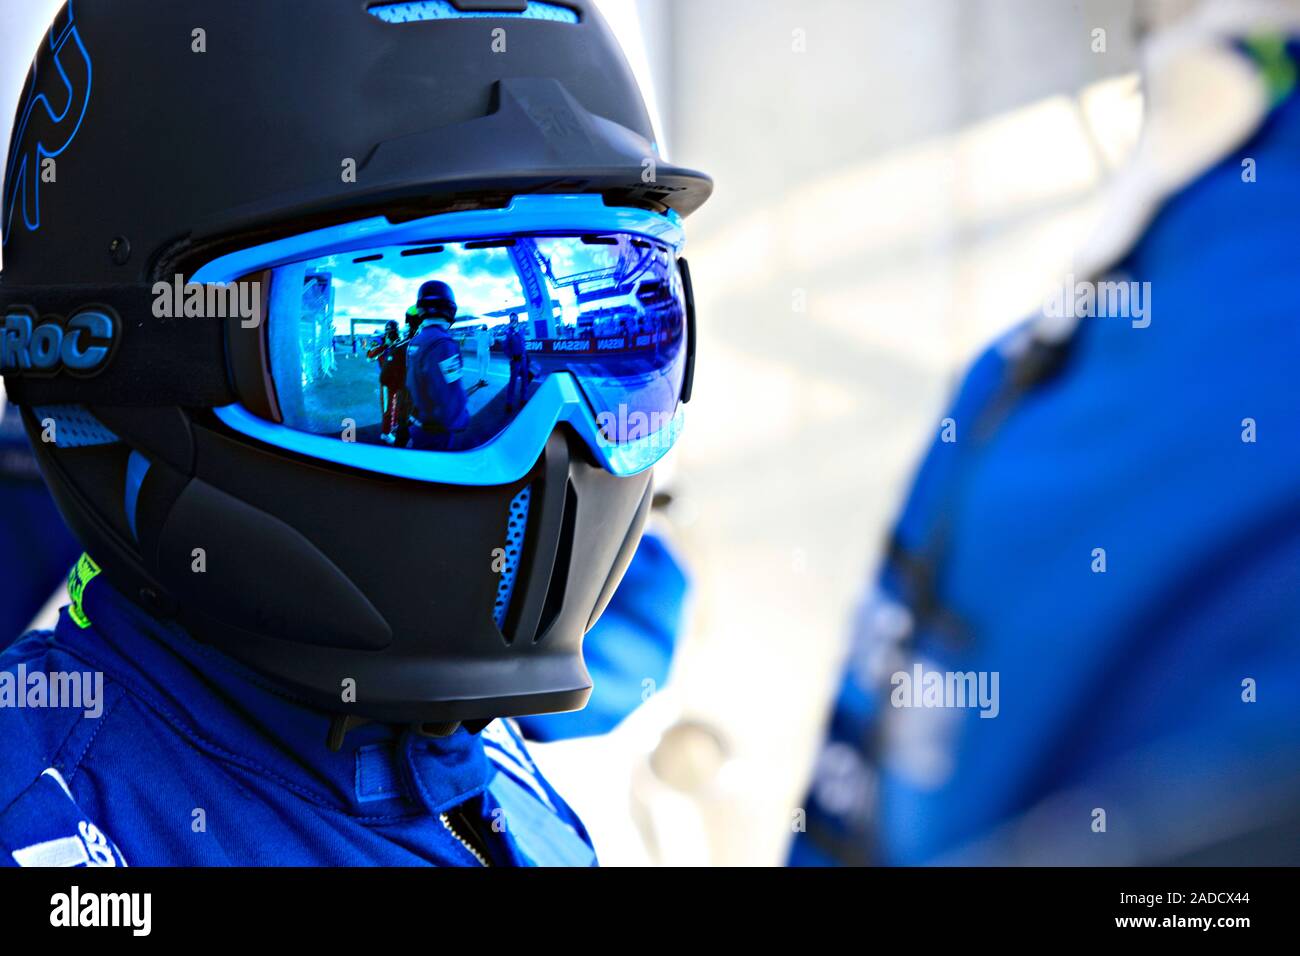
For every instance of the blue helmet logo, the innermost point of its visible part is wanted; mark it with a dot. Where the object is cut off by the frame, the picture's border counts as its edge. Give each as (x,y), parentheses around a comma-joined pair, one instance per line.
(53,106)
(81,344)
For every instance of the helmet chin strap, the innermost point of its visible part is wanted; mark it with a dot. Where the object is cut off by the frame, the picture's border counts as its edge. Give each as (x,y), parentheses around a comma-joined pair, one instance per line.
(340,724)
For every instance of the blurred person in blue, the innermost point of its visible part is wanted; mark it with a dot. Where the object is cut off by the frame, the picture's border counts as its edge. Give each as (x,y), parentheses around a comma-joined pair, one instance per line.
(288,642)
(1081,648)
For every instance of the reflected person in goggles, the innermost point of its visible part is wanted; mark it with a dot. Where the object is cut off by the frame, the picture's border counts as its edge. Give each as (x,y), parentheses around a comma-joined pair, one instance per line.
(435,372)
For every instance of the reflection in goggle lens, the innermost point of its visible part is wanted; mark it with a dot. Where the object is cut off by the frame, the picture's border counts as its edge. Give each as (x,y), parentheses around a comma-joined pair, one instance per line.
(439,346)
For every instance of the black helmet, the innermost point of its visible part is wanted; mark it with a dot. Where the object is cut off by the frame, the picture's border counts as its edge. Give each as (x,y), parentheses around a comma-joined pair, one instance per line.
(212,128)
(436,297)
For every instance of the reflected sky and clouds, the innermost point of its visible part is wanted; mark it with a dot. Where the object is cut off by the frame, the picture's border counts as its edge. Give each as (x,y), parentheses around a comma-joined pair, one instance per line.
(383,283)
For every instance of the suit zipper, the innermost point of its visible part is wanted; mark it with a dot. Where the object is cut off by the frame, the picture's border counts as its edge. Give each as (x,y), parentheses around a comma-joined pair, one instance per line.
(446,822)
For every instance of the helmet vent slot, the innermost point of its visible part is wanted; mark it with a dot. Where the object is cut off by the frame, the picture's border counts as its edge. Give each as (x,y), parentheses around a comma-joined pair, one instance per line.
(560,571)
(417,11)
(73,426)
(516,524)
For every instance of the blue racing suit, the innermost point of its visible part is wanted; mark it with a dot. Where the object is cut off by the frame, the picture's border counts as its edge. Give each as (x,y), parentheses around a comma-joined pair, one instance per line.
(164,751)
(434,369)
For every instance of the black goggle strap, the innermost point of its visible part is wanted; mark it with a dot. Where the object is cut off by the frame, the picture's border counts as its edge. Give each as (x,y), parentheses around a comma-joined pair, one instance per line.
(688,378)
(122,345)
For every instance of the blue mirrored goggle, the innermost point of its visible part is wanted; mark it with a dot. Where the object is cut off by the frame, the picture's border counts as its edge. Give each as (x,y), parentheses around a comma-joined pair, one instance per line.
(449,348)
